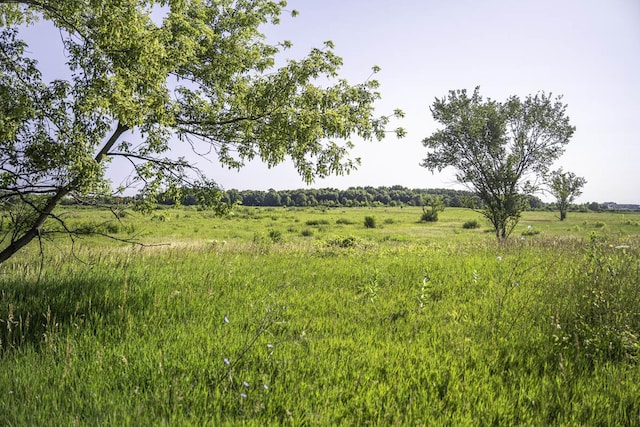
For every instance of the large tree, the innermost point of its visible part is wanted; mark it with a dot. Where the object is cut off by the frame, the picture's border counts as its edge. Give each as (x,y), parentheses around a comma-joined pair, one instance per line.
(499,149)
(146,76)
(565,187)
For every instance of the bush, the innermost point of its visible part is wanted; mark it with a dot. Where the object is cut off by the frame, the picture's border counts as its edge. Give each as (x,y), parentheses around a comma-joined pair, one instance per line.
(343,242)
(307,232)
(316,222)
(429,216)
(431,205)
(472,224)
(344,221)
(369,222)
(530,231)
(275,235)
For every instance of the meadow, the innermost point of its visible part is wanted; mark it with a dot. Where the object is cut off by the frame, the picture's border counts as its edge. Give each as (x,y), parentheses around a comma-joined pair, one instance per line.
(281,316)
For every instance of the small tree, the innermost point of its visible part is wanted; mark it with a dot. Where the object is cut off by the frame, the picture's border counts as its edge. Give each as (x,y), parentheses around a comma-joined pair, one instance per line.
(431,205)
(565,187)
(498,149)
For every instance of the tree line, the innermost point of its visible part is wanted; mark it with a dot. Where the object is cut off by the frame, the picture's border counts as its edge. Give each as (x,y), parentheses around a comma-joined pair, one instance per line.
(396,195)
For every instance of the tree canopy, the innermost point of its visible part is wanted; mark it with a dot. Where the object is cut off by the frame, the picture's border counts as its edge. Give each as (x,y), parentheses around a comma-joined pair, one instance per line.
(144,76)
(565,187)
(499,149)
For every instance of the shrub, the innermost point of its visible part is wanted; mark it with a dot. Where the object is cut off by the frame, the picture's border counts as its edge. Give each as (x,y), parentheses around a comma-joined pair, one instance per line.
(530,231)
(471,224)
(316,222)
(343,242)
(307,232)
(275,235)
(429,216)
(344,221)
(369,222)
(431,205)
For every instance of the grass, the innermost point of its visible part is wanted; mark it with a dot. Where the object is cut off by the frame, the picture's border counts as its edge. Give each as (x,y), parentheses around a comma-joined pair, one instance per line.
(406,323)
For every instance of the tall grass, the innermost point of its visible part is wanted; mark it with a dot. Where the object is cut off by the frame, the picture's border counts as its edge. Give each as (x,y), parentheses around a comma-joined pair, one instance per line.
(403,324)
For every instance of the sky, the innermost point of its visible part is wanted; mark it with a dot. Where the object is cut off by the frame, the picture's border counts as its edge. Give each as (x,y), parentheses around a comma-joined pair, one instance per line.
(588,51)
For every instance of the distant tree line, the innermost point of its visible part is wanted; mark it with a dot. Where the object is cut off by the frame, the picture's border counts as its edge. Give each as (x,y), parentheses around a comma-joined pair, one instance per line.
(396,195)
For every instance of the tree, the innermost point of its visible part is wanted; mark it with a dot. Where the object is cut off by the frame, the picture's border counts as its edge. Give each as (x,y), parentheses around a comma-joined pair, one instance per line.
(431,205)
(499,150)
(565,187)
(145,77)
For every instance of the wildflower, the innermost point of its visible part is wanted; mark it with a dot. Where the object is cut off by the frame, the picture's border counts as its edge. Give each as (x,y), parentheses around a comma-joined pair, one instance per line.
(269,346)
(226,361)
(243,395)
(265,386)
(529,227)
(246,384)
(499,258)
(226,319)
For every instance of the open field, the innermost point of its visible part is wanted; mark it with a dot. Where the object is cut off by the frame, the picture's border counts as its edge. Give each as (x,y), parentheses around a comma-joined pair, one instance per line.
(304,316)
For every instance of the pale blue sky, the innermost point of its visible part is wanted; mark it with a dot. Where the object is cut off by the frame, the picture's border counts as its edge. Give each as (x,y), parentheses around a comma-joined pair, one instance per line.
(586,50)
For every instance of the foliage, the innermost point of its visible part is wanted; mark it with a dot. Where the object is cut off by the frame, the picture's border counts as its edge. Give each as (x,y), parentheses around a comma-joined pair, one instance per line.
(369,222)
(599,319)
(395,195)
(200,76)
(530,231)
(498,149)
(471,224)
(431,205)
(565,187)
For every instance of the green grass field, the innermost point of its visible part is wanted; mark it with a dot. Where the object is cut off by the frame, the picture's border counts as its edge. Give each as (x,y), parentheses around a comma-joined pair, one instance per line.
(307,317)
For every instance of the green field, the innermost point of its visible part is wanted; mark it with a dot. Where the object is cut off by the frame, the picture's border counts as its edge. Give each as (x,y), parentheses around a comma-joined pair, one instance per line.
(307,317)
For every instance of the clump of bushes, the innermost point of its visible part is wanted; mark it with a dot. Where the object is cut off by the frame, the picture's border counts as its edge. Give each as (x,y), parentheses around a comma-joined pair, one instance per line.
(343,242)
(471,224)
(316,222)
(530,231)
(108,227)
(344,221)
(369,222)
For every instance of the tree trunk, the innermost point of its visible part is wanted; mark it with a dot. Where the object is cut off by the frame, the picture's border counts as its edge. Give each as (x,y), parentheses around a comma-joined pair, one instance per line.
(34,231)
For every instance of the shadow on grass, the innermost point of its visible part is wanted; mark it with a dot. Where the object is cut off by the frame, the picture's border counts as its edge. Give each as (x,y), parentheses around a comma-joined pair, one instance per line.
(34,312)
